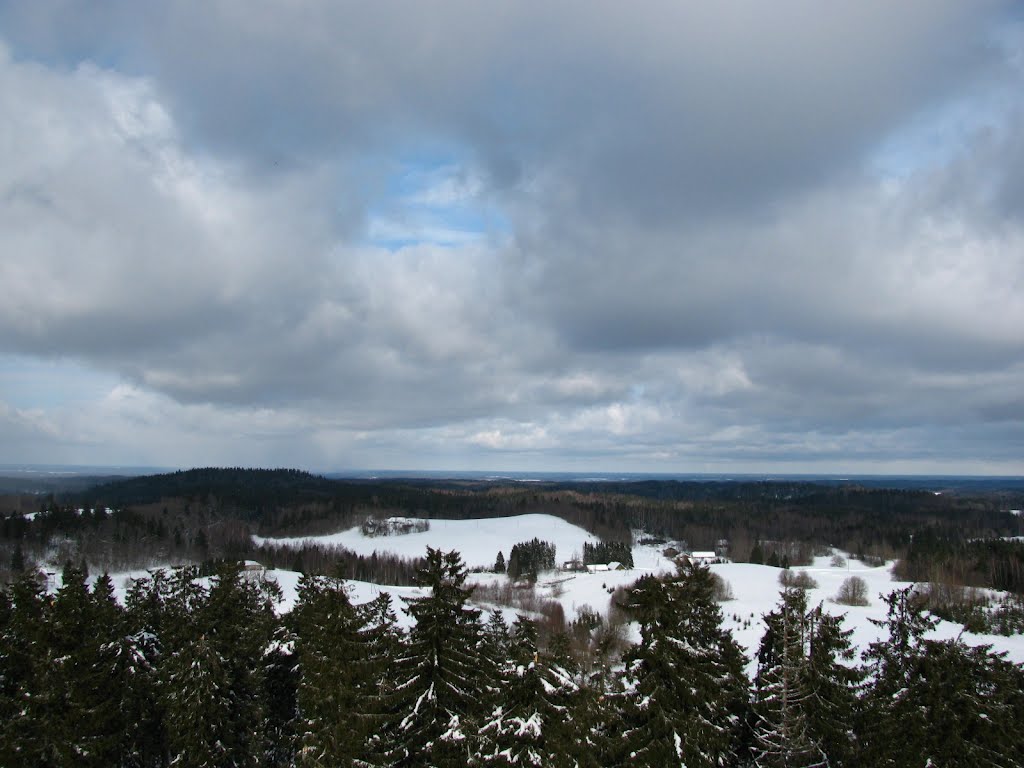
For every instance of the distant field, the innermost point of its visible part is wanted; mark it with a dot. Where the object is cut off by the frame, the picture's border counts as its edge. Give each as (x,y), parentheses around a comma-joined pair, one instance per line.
(755,587)
(479,541)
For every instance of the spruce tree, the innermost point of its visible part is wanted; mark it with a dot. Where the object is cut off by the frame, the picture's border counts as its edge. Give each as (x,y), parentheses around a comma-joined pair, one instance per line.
(833,683)
(599,719)
(938,701)
(107,676)
(337,692)
(145,642)
(27,707)
(280,692)
(18,559)
(386,641)
(515,731)
(85,727)
(239,621)
(440,672)
(554,719)
(570,710)
(686,689)
(783,696)
(971,698)
(495,649)
(199,708)
(542,716)
(212,667)
(496,639)
(893,727)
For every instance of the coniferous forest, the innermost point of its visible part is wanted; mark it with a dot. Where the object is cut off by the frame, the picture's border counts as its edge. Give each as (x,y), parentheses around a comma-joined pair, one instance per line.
(196,667)
(202,672)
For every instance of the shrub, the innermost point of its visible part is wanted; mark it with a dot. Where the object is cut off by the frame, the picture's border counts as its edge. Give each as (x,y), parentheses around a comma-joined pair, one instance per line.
(721,590)
(837,561)
(393,526)
(853,591)
(1008,616)
(957,603)
(797,580)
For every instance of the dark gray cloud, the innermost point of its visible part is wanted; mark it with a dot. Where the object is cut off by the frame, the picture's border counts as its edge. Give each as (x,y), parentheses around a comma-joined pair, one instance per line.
(701,257)
(639,104)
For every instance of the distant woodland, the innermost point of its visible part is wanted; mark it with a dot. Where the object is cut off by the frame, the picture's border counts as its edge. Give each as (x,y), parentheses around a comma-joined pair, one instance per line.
(209,515)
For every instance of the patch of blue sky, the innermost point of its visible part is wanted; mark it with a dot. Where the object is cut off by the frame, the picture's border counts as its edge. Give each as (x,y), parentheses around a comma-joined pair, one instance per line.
(34,40)
(434,198)
(936,136)
(28,383)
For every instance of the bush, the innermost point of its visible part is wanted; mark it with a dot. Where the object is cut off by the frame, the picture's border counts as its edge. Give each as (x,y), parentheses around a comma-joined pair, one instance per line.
(959,604)
(853,591)
(721,589)
(797,580)
(1008,616)
(837,561)
(393,526)
(872,561)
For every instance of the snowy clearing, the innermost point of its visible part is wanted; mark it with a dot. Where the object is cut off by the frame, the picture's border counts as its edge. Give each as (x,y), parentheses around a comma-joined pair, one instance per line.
(757,591)
(756,587)
(479,541)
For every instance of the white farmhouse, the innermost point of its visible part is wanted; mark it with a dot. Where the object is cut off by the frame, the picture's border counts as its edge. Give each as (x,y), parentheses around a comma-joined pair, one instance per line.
(702,557)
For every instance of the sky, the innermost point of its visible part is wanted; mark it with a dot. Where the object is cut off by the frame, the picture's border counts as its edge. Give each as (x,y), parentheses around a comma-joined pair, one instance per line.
(583,235)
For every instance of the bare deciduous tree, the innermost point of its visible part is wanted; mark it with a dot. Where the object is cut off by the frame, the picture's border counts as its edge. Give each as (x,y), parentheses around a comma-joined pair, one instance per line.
(853,591)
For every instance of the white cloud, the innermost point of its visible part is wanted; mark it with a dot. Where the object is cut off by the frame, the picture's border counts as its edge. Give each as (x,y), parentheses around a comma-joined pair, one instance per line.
(671,235)
(519,438)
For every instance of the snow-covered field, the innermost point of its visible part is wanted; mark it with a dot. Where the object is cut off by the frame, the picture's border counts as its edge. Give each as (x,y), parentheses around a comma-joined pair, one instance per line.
(479,541)
(757,590)
(755,587)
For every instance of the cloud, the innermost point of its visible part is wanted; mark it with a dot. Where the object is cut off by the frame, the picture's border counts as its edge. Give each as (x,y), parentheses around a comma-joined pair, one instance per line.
(657,237)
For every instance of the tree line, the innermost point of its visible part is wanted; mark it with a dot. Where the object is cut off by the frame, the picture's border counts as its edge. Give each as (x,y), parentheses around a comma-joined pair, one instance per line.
(607,552)
(529,558)
(210,514)
(203,672)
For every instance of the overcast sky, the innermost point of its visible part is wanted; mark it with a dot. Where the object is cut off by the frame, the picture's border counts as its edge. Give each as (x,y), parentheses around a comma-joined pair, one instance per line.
(659,236)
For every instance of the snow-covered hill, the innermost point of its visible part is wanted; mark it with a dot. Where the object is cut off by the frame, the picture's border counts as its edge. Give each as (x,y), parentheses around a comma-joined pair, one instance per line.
(755,587)
(479,541)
